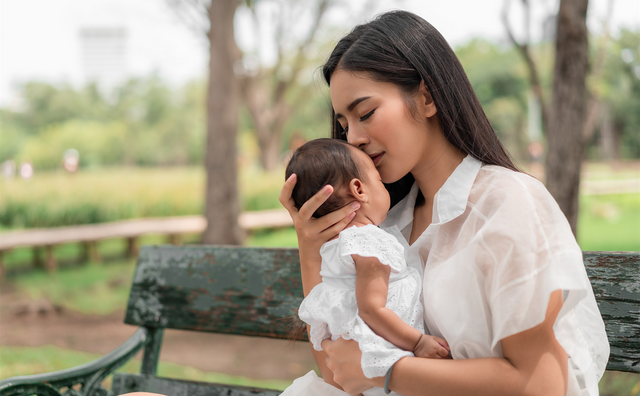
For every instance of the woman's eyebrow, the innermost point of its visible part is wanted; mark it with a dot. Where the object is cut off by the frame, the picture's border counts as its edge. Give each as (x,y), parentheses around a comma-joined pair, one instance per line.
(353,105)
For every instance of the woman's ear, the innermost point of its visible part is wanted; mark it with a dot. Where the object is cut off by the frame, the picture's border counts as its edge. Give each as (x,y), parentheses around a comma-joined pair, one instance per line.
(357,190)
(426,103)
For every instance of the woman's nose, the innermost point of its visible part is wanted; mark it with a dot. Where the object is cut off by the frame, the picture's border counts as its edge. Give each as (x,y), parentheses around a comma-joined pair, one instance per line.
(357,137)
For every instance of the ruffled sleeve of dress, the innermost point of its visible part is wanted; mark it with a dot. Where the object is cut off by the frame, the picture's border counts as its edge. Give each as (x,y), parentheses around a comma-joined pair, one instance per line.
(371,241)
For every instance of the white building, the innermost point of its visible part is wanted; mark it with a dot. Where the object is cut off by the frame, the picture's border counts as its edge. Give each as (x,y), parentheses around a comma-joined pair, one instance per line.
(104,56)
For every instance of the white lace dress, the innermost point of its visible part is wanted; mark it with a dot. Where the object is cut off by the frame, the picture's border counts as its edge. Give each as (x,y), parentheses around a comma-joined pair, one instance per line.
(331,309)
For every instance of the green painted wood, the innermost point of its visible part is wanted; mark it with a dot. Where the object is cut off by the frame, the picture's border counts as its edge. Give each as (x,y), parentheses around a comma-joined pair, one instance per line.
(125,383)
(39,389)
(615,278)
(232,290)
(152,352)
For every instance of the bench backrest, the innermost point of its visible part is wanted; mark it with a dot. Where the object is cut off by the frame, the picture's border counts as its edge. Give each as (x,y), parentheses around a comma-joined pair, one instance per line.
(256,291)
(217,289)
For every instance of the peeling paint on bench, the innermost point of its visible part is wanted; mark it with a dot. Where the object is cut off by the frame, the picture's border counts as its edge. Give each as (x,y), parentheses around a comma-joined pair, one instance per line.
(248,291)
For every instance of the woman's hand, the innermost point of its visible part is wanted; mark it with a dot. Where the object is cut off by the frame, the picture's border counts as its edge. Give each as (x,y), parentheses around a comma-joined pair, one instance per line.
(313,233)
(344,361)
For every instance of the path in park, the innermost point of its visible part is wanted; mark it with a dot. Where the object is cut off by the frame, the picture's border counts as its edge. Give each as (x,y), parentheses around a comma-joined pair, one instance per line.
(21,325)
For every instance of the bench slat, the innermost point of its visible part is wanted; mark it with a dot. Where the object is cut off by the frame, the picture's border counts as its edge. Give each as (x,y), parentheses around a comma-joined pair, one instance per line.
(246,291)
(615,278)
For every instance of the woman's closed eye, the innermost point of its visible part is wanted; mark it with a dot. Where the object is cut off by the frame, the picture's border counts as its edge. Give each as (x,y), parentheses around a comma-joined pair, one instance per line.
(345,129)
(366,116)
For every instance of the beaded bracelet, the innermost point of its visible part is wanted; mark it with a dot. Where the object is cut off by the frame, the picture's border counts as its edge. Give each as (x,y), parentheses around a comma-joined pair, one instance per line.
(386,380)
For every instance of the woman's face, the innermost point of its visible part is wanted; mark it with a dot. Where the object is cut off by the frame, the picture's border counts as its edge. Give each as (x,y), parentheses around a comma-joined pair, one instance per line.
(378,122)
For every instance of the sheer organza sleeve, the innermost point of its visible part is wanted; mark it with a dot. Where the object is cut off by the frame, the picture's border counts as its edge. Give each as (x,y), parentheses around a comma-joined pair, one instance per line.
(530,260)
(370,241)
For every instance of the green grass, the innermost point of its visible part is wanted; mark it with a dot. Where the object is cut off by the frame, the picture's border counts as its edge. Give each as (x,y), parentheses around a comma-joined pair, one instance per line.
(35,360)
(285,237)
(616,383)
(609,222)
(92,288)
(56,198)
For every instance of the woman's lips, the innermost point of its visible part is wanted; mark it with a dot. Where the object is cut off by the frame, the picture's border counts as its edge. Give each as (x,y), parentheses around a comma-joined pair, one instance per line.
(376,158)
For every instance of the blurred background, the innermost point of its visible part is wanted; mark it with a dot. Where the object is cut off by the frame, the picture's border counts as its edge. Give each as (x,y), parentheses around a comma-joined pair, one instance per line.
(103,118)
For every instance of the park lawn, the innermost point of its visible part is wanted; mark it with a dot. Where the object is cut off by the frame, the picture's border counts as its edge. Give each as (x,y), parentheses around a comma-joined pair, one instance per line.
(16,361)
(609,222)
(55,198)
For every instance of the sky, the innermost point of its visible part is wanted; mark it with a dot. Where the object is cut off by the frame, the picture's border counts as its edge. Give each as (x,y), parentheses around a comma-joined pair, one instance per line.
(39,39)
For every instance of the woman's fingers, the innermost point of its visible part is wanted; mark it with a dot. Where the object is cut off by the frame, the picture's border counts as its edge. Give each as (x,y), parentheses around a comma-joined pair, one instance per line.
(344,362)
(285,195)
(308,208)
(334,222)
(312,231)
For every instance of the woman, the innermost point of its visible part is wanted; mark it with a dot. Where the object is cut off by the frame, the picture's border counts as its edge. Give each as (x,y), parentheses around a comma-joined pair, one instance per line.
(503,281)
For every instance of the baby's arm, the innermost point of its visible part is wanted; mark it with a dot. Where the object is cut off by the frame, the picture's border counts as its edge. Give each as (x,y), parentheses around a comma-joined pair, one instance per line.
(372,285)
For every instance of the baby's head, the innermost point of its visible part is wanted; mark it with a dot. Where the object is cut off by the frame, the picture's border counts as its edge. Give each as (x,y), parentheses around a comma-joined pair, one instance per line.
(349,170)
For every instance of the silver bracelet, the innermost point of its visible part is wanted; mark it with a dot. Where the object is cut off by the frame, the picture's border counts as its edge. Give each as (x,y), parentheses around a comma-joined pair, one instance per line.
(386,380)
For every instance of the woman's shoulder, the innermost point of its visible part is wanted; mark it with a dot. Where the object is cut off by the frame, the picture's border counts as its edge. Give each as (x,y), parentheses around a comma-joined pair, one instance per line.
(517,205)
(505,178)
(498,184)
(516,198)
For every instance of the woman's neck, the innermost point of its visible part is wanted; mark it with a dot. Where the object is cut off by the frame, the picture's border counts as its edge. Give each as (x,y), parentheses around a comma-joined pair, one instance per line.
(436,168)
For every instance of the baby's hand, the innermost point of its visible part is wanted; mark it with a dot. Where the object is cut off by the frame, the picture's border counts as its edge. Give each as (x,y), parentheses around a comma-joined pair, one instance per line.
(431,347)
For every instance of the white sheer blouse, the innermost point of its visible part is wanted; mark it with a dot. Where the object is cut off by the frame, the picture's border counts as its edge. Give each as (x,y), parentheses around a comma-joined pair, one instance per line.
(497,247)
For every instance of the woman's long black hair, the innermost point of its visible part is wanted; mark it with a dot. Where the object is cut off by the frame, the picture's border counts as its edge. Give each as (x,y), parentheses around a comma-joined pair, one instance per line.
(401,48)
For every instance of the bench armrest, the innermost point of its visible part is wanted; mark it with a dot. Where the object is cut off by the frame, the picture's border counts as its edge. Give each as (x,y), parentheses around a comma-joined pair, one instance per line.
(89,375)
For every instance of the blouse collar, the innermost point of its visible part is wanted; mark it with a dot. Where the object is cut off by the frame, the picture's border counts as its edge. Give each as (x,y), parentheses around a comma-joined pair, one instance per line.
(450,201)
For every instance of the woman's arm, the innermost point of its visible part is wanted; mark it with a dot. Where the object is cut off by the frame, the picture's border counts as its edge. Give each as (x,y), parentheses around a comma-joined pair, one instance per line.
(372,285)
(312,234)
(534,364)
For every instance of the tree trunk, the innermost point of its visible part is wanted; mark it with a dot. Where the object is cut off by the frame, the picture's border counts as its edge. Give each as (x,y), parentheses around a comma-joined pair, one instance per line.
(609,141)
(270,151)
(222,207)
(566,121)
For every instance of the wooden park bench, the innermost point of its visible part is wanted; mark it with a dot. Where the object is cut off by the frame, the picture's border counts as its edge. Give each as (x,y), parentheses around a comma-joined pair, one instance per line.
(254,292)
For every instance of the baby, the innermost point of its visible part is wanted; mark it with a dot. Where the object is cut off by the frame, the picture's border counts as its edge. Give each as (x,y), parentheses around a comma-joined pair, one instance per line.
(367,293)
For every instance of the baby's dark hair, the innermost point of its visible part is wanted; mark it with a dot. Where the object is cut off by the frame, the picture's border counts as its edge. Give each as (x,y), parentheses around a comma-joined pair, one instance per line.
(318,163)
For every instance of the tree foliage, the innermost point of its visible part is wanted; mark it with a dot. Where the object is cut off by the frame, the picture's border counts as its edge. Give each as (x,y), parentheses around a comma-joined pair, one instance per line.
(148,122)
(144,122)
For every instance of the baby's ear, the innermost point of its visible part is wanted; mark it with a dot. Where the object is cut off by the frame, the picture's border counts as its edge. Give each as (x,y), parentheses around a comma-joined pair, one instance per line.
(357,190)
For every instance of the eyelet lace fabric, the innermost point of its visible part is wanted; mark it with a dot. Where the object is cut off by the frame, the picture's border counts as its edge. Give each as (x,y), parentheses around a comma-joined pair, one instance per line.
(371,241)
(331,308)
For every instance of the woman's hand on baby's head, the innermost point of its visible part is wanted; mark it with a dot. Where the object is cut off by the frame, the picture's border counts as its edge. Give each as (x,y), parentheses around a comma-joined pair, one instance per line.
(312,231)
(432,347)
